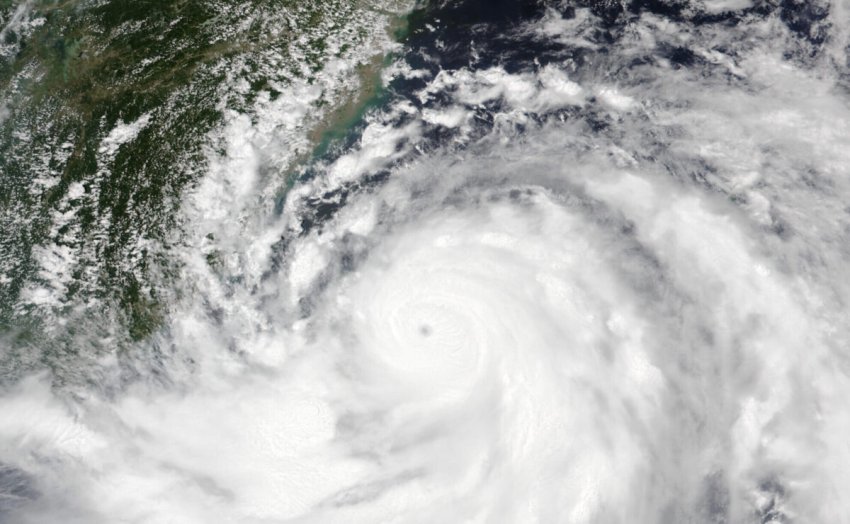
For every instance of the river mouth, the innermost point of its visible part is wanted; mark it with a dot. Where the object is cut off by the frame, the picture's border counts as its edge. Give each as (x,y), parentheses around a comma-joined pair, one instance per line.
(571,262)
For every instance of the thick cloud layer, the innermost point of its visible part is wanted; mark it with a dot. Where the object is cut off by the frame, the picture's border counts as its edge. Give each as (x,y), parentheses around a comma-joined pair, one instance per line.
(587,263)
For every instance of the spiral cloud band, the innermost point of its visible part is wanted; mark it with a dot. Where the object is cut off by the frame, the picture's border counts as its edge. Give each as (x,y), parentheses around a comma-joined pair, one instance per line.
(582,264)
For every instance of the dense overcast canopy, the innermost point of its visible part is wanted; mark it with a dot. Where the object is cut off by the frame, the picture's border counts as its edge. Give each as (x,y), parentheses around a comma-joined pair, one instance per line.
(462,261)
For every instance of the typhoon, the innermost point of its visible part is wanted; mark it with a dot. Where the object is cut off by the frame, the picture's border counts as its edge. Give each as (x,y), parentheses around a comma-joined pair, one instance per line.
(552,261)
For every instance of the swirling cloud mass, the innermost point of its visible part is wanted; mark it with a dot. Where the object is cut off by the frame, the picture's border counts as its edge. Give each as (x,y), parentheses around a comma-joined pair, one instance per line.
(584,262)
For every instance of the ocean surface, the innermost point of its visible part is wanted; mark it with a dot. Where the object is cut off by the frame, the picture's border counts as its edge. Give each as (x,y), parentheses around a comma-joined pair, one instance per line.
(544,261)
